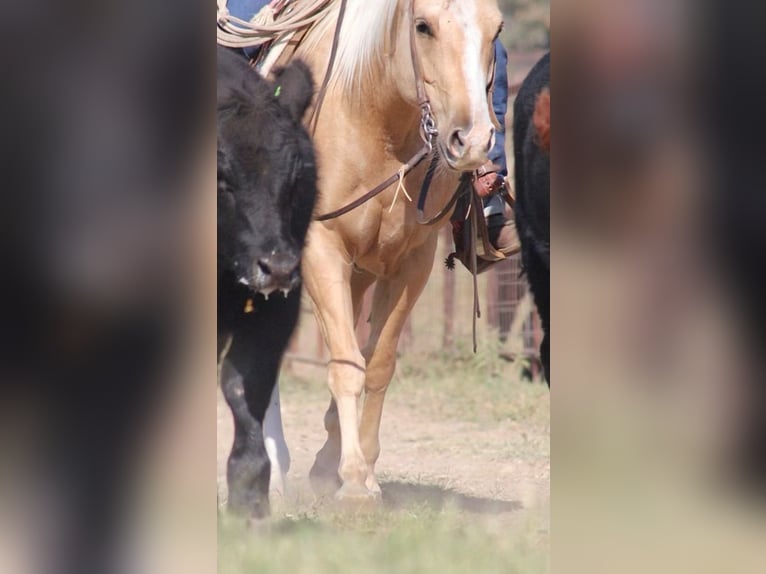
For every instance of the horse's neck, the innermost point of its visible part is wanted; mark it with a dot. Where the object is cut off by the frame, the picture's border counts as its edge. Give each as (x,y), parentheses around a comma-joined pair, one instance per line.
(394,121)
(375,116)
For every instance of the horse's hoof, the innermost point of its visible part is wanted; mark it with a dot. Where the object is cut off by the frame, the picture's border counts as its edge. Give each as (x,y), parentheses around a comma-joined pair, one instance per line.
(324,482)
(372,485)
(357,494)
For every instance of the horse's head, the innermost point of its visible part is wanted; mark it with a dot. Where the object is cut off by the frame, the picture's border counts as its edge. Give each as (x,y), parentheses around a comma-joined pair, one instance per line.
(454,50)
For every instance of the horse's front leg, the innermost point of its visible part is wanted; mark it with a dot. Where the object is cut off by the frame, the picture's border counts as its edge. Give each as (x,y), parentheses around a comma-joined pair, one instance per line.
(324,473)
(392,303)
(327,277)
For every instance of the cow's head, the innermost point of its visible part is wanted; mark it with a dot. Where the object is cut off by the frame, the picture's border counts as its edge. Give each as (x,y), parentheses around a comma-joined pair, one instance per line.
(266,174)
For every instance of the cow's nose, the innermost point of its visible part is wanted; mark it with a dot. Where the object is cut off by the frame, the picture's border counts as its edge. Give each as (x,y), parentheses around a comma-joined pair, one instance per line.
(280,270)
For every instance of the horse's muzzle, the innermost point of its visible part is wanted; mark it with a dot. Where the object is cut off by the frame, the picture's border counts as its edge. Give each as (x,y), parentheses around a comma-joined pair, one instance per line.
(467,150)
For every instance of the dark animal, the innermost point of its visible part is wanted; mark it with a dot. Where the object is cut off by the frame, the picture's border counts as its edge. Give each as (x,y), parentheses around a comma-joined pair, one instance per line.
(531,143)
(97,149)
(266,195)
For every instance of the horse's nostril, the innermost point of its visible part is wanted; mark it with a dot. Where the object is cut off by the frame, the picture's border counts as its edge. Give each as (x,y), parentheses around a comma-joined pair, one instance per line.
(457,143)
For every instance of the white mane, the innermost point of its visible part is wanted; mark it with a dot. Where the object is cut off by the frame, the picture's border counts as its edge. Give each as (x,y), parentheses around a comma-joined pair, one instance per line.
(365,35)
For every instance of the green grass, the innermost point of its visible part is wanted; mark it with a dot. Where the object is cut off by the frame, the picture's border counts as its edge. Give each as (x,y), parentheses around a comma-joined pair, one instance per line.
(421,528)
(417,540)
(478,388)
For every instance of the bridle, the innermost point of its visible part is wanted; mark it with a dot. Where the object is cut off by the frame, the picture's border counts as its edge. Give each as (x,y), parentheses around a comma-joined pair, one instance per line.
(428,133)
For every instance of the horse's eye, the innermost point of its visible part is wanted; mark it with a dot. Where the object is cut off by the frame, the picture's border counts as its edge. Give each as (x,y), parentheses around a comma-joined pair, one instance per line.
(423,28)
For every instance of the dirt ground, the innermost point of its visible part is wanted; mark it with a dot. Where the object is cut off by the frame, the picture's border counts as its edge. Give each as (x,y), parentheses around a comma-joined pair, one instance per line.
(430,455)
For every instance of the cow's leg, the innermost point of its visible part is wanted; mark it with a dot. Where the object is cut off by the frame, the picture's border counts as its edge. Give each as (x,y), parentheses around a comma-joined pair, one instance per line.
(276,445)
(392,303)
(248,377)
(327,277)
(248,467)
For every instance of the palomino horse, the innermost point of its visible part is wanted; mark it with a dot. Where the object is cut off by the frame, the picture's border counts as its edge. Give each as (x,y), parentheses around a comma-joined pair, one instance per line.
(369,125)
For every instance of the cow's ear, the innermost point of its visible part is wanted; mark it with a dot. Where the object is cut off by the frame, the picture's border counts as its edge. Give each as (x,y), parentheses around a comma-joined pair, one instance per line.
(294,88)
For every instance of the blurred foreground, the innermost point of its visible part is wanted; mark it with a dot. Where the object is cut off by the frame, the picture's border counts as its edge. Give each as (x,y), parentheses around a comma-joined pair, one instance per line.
(657,219)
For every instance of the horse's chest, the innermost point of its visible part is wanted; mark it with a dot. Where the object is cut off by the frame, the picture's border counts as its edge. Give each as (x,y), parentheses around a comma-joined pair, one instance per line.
(391,243)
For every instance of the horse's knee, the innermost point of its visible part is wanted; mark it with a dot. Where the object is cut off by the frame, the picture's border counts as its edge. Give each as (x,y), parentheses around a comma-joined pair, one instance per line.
(346,378)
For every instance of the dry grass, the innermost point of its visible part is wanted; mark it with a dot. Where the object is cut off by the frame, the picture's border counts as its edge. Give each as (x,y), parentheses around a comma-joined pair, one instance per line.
(451,425)
(412,540)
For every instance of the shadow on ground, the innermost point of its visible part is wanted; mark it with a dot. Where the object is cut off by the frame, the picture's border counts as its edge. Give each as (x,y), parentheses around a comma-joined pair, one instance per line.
(398,495)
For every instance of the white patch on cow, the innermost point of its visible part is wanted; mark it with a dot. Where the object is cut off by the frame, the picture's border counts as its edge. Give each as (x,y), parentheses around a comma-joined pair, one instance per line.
(276,445)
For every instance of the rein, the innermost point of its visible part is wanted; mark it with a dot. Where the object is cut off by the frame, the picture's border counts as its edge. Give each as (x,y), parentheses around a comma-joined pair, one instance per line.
(428,131)
(328,72)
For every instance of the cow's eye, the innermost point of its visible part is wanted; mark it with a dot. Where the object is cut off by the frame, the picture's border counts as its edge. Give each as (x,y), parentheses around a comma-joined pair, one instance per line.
(423,28)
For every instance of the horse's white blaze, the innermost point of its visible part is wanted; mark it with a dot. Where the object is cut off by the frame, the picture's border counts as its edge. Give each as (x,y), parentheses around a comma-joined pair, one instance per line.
(474,72)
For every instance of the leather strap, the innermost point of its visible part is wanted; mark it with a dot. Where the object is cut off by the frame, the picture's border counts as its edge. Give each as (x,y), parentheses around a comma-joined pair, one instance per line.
(331,62)
(461,189)
(427,124)
(487,168)
(428,130)
(474,218)
(419,83)
(416,159)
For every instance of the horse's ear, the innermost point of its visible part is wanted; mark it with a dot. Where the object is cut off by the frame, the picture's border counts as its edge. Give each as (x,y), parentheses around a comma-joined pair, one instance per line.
(294,88)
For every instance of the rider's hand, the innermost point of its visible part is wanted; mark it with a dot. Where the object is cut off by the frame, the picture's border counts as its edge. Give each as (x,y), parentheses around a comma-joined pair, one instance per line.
(487,180)
(487,184)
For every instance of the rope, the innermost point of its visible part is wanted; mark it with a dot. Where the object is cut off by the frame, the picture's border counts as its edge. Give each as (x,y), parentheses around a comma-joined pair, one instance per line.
(234,32)
(400,186)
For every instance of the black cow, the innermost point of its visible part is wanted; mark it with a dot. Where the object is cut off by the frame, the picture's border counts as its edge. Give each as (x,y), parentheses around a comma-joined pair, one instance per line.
(266,195)
(531,144)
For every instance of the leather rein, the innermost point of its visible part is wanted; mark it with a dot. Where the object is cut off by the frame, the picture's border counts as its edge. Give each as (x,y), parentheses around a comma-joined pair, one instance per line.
(428,133)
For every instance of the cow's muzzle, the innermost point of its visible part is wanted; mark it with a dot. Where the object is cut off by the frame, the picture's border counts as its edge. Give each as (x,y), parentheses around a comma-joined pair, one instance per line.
(279,271)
